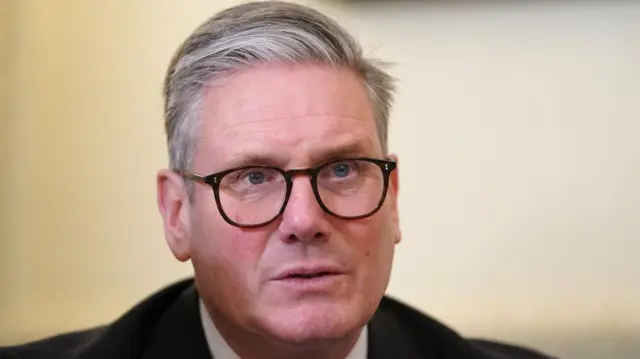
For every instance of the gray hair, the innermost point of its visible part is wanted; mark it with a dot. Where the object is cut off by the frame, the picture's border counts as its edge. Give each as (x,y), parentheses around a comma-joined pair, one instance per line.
(252,33)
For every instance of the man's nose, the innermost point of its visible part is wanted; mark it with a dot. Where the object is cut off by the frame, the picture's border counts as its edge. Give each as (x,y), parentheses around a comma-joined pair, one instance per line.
(303,218)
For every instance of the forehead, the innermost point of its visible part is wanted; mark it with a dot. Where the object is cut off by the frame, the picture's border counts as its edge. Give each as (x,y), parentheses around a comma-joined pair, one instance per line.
(291,113)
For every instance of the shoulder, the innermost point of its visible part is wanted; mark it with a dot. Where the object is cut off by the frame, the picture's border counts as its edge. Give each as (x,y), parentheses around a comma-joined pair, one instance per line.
(506,350)
(428,335)
(128,331)
(63,346)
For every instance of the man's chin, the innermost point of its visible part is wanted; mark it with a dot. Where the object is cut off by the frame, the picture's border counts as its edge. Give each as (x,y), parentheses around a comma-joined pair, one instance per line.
(311,323)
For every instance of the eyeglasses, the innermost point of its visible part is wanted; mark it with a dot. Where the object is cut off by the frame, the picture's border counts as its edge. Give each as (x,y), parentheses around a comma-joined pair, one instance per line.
(254,196)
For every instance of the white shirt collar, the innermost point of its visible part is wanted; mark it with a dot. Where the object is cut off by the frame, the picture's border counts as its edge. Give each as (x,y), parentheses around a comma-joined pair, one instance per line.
(220,349)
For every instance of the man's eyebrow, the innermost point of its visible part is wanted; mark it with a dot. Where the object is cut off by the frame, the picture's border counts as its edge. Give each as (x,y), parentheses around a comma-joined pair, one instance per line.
(353,149)
(253,159)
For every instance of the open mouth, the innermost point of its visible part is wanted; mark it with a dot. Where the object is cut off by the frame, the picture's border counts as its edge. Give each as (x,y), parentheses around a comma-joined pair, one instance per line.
(309,275)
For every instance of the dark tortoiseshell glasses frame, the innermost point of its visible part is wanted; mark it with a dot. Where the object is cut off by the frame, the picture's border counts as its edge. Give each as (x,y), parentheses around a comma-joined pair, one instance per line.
(214,180)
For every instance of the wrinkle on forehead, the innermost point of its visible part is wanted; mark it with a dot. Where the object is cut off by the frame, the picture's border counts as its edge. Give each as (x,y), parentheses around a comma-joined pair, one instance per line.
(290,108)
(323,123)
(298,151)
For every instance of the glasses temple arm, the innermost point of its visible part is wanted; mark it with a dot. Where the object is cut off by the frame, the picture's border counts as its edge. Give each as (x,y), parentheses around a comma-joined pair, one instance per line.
(192,176)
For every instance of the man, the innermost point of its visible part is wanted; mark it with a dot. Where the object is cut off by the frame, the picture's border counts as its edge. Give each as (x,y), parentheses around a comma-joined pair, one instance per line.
(283,195)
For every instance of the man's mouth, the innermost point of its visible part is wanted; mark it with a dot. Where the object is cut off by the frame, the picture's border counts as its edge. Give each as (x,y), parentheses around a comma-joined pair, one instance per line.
(308,271)
(309,275)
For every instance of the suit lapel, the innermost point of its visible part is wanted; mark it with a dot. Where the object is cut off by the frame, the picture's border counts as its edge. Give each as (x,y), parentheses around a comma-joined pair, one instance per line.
(387,340)
(179,333)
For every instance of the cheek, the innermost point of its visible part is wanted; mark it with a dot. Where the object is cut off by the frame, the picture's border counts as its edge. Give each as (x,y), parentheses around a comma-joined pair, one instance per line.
(221,245)
(212,238)
(376,248)
(223,251)
(225,264)
(374,243)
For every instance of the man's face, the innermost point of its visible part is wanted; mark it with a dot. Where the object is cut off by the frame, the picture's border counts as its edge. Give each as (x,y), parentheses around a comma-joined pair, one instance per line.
(296,116)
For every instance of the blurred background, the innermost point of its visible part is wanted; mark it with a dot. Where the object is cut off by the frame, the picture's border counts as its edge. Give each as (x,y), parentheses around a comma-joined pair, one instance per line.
(516,124)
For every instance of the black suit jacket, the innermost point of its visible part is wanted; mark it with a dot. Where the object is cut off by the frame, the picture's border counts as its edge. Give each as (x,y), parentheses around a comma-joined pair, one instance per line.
(167,325)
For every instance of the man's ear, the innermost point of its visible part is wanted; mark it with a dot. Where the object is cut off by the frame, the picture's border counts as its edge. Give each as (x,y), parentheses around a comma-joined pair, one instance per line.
(394,187)
(174,206)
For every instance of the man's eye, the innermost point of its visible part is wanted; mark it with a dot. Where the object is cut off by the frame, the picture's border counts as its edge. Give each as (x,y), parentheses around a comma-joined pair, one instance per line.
(342,170)
(255,177)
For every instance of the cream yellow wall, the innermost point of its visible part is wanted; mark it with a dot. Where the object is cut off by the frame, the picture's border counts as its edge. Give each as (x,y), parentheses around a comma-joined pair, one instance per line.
(516,129)
(7,42)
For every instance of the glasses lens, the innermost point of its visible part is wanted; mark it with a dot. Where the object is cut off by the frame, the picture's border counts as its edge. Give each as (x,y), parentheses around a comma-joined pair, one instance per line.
(351,188)
(251,196)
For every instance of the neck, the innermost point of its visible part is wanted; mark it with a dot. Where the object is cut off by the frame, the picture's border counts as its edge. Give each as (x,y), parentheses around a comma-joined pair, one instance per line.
(251,345)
